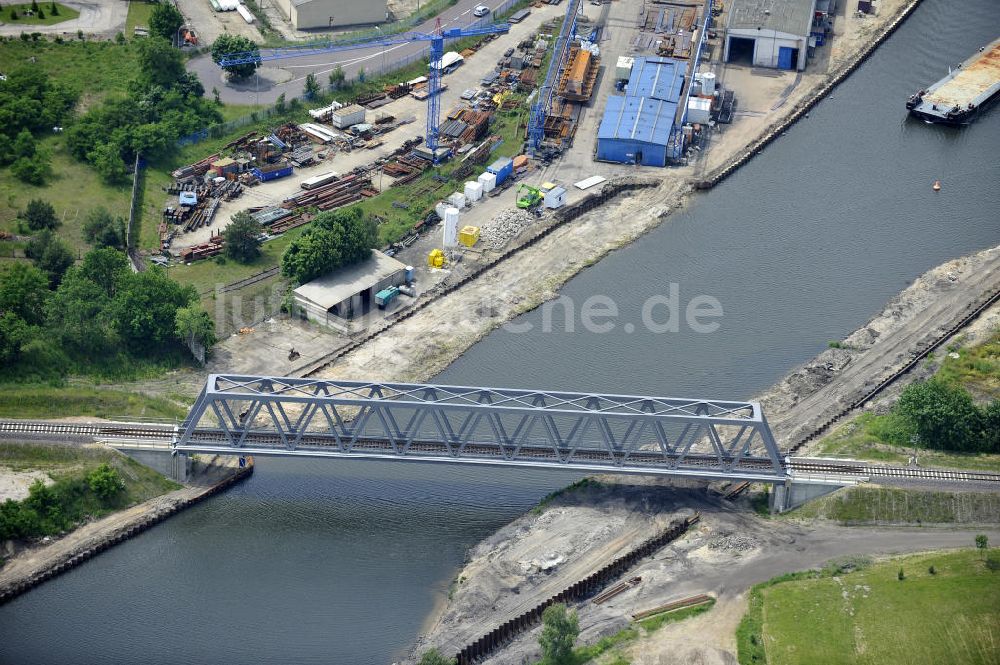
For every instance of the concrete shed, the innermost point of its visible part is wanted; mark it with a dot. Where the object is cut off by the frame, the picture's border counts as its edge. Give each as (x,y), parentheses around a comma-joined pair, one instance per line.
(769,33)
(636,130)
(313,14)
(349,292)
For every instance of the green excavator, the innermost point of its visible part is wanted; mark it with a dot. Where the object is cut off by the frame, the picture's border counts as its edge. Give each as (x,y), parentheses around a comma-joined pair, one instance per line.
(528,196)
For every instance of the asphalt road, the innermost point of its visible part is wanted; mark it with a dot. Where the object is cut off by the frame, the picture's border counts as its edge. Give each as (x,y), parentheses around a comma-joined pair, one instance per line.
(288,76)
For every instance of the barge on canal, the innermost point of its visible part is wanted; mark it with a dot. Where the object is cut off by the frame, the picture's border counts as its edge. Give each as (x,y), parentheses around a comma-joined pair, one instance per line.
(958,97)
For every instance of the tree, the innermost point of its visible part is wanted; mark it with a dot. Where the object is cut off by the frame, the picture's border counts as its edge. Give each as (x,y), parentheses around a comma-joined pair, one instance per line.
(105,482)
(50,255)
(32,170)
(336,238)
(943,416)
(434,657)
(559,631)
(107,268)
(193,324)
(991,426)
(982,543)
(23,292)
(34,6)
(160,63)
(24,144)
(165,21)
(107,160)
(14,333)
(54,9)
(102,229)
(243,238)
(312,86)
(78,314)
(144,310)
(226,45)
(900,575)
(13,14)
(40,215)
(41,13)
(337,78)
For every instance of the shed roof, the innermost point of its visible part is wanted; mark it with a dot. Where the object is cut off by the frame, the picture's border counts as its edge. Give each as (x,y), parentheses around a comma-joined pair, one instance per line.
(793,17)
(657,78)
(336,287)
(638,119)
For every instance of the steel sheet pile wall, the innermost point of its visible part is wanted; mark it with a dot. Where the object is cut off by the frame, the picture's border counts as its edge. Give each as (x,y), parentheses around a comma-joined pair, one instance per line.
(506,632)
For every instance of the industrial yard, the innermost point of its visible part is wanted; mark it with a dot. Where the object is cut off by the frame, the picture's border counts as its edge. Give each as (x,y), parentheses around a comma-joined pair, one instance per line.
(485,159)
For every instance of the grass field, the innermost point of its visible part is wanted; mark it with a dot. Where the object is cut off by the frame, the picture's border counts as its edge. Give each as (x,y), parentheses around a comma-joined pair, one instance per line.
(74,189)
(866,505)
(96,69)
(871,617)
(42,401)
(67,465)
(65,14)
(138,14)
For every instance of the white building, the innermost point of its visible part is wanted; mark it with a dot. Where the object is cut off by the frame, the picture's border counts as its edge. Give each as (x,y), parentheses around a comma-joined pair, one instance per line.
(310,14)
(769,33)
(349,292)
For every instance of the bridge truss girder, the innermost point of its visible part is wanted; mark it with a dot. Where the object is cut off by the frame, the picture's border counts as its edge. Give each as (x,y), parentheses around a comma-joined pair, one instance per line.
(592,432)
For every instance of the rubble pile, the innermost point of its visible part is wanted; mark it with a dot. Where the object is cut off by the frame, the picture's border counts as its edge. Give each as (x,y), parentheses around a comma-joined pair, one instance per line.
(497,232)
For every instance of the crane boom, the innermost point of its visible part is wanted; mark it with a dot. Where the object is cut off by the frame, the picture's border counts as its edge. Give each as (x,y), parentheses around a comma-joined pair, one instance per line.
(541,108)
(436,38)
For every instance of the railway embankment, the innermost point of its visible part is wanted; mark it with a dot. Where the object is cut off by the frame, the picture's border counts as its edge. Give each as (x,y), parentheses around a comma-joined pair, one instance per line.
(48,558)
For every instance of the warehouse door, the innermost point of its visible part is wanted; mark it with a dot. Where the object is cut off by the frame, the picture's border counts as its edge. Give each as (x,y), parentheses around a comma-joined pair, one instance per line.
(741,50)
(788,58)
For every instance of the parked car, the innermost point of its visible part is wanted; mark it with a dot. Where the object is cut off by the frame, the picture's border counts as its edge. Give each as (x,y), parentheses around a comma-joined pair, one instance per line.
(481,10)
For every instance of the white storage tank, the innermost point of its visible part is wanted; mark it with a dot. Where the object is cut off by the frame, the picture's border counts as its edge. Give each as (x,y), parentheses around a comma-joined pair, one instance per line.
(699,110)
(708,84)
(450,238)
(488,181)
(473,191)
(440,208)
(457,199)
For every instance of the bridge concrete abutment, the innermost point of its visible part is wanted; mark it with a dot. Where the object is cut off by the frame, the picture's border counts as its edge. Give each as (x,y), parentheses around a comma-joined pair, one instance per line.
(795,492)
(173,465)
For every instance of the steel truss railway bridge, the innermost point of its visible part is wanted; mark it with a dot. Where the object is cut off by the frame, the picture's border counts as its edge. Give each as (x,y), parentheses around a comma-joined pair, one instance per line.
(262,415)
(586,432)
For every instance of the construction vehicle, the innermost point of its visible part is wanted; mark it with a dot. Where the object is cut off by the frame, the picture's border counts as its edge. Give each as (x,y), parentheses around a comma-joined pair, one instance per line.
(528,196)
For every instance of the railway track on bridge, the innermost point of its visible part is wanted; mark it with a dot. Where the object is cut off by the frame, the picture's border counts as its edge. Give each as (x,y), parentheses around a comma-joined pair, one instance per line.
(256,442)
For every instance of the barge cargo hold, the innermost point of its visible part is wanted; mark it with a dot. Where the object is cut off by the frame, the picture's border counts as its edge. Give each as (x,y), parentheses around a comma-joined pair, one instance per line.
(958,97)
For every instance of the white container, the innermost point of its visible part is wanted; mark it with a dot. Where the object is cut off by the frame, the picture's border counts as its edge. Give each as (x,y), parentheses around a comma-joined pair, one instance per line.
(440,208)
(457,199)
(623,69)
(245,13)
(699,110)
(450,237)
(347,116)
(708,83)
(488,181)
(473,191)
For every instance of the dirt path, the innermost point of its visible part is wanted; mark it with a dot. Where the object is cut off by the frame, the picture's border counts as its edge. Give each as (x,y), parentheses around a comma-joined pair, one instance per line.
(833,380)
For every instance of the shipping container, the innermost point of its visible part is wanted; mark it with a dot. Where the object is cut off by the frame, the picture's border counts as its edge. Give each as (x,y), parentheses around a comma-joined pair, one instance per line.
(272,172)
(347,116)
(502,168)
(319,180)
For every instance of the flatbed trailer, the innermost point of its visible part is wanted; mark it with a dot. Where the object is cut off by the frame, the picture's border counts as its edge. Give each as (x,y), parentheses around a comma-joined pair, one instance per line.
(958,97)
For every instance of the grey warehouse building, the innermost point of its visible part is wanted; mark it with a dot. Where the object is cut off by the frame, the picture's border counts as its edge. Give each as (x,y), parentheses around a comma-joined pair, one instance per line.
(348,292)
(769,33)
(311,14)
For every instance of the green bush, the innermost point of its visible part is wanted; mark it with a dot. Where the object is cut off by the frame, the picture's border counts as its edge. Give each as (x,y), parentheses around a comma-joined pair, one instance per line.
(105,482)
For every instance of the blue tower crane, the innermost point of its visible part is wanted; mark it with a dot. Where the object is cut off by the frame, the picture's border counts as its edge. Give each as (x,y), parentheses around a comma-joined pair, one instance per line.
(437,40)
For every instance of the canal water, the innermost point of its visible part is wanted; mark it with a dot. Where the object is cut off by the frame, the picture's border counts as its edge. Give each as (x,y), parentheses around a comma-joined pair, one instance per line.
(340,562)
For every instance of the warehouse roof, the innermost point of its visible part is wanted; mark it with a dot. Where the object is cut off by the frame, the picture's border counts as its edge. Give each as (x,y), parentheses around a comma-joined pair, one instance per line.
(638,119)
(793,17)
(336,287)
(657,78)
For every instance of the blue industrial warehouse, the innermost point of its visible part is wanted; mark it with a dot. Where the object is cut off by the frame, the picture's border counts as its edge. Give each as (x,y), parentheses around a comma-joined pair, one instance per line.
(638,128)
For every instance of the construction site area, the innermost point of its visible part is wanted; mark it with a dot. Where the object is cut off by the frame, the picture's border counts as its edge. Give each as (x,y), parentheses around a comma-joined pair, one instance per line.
(525,118)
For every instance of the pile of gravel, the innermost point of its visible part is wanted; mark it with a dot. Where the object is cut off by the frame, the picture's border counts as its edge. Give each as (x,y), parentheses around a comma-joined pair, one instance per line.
(731,542)
(497,232)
